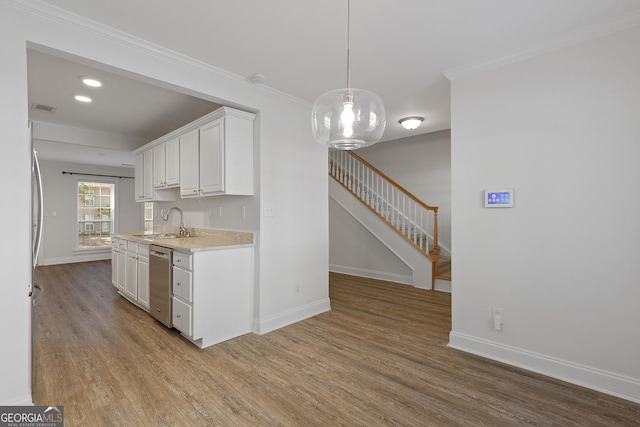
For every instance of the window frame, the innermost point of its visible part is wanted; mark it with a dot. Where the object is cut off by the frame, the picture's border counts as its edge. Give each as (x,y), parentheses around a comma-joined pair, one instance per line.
(76,227)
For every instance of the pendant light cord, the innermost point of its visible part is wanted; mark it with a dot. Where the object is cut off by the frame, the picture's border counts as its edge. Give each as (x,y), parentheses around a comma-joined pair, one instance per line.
(348,45)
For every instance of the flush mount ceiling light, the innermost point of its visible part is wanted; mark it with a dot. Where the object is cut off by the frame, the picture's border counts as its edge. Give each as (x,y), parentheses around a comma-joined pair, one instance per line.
(82,98)
(91,82)
(348,119)
(411,122)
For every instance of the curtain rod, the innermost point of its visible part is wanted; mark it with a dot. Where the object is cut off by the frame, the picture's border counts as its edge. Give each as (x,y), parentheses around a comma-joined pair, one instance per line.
(95,174)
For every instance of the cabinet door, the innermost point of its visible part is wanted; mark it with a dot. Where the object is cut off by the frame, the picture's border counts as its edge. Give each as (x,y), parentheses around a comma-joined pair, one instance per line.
(122,269)
(189,175)
(147,158)
(114,267)
(143,282)
(212,157)
(131,276)
(172,162)
(159,180)
(139,177)
(181,316)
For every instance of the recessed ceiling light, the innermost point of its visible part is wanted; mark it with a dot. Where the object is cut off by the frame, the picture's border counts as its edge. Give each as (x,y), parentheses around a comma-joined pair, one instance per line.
(82,98)
(411,122)
(91,82)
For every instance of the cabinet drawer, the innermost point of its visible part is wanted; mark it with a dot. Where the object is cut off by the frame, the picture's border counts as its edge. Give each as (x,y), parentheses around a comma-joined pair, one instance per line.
(182,260)
(122,244)
(132,246)
(182,316)
(182,284)
(143,250)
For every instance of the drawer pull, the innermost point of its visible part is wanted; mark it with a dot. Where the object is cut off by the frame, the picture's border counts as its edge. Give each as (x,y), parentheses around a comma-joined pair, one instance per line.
(179,284)
(178,316)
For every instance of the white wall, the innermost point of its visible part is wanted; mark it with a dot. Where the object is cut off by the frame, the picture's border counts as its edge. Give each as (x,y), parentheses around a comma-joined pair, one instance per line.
(60,196)
(422,165)
(221,212)
(561,129)
(15,216)
(292,172)
(355,250)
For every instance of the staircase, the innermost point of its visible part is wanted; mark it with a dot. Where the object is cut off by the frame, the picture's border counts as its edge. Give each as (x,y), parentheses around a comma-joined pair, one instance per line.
(412,219)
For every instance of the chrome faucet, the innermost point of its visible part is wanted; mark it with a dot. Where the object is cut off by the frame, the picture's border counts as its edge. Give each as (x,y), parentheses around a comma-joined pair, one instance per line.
(183,231)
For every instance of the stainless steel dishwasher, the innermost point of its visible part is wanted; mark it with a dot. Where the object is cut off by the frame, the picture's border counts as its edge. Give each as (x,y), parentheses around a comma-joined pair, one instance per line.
(160,283)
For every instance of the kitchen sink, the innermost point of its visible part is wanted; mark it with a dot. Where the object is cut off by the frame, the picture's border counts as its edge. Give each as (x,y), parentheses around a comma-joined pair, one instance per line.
(158,236)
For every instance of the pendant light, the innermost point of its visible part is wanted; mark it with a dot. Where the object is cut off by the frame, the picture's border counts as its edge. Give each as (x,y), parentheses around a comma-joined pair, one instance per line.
(348,119)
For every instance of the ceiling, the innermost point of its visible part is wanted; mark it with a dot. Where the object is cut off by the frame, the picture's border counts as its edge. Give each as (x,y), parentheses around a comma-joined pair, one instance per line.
(399,50)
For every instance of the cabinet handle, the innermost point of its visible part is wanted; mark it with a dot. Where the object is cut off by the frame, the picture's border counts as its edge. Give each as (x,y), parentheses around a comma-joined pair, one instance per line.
(178,261)
(195,191)
(178,316)
(179,284)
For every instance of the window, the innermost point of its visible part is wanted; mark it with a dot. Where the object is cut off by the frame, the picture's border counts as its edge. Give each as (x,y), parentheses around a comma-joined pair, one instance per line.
(148,217)
(96,205)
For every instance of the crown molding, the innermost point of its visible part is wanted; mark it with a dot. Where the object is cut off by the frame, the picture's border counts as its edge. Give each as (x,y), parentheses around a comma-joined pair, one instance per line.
(575,37)
(129,41)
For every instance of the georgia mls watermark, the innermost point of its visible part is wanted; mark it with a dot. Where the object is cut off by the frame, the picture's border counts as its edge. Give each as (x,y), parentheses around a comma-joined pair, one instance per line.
(31,416)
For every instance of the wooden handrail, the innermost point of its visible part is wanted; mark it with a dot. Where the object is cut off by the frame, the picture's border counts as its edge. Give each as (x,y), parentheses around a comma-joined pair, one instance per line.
(395,184)
(435,255)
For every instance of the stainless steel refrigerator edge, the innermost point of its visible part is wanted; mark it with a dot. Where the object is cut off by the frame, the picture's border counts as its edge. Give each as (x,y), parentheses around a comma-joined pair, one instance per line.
(160,283)
(37,212)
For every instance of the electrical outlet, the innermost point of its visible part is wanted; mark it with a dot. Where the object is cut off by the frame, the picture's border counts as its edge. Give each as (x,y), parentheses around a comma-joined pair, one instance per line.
(497,318)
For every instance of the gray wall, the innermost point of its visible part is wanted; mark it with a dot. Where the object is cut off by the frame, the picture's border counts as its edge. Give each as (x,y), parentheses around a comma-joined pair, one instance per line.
(562,130)
(60,194)
(422,165)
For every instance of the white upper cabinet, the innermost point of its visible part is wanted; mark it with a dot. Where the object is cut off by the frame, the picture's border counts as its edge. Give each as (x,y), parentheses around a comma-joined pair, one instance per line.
(158,167)
(144,176)
(172,162)
(139,177)
(189,174)
(144,186)
(208,157)
(211,162)
(222,163)
(166,164)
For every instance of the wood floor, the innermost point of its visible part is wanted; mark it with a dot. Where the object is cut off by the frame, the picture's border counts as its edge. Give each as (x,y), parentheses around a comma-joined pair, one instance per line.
(378,358)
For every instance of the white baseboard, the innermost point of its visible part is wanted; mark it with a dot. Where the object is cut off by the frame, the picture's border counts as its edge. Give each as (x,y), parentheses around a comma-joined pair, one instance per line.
(297,314)
(442,285)
(77,258)
(596,379)
(23,401)
(372,274)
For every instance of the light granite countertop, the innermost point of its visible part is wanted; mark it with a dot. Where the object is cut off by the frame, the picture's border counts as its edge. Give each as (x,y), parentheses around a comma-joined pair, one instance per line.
(201,239)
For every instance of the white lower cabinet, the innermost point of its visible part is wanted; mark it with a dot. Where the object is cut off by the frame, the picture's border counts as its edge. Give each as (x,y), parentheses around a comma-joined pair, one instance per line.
(114,261)
(131,276)
(212,294)
(143,276)
(130,271)
(122,264)
(182,320)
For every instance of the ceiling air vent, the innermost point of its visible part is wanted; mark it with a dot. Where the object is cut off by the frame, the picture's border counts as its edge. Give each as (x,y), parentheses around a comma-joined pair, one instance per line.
(42,107)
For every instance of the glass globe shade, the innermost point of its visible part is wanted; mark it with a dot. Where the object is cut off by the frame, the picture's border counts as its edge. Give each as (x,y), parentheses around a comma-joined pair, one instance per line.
(348,119)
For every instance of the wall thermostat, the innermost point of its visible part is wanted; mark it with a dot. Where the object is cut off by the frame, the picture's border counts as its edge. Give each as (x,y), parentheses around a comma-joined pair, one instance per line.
(498,198)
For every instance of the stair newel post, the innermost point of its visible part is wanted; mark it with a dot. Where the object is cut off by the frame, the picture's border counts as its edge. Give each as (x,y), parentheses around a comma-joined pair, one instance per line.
(436,249)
